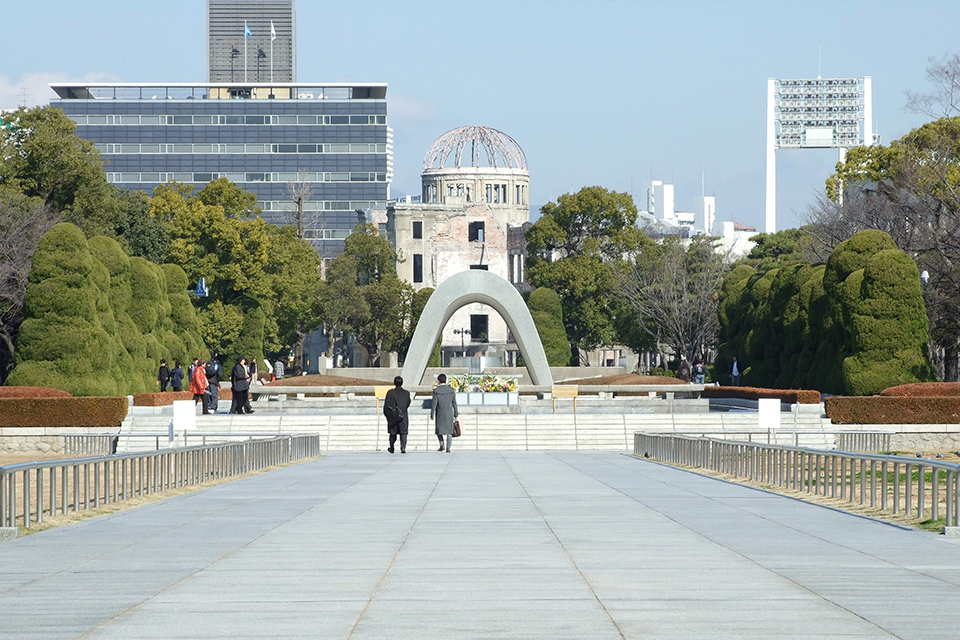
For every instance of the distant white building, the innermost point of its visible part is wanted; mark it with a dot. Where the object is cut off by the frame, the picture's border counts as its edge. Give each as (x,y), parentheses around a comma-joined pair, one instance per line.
(661,212)
(735,239)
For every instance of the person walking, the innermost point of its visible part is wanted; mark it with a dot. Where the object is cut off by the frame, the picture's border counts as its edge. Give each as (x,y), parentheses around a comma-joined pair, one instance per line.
(198,385)
(163,375)
(395,407)
(699,372)
(239,385)
(214,373)
(190,369)
(176,376)
(735,372)
(253,378)
(443,410)
(683,371)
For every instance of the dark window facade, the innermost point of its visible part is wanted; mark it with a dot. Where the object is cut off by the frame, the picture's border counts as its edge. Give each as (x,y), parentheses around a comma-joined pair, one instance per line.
(325,136)
(476,232)
(418,230)
(417,267)
(479,325)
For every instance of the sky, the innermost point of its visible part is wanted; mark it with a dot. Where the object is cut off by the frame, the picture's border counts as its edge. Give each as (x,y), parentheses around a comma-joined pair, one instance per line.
(606,92)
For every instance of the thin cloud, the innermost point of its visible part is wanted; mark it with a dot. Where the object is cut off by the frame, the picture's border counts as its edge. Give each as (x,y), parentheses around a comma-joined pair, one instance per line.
(33,88)
(406,108)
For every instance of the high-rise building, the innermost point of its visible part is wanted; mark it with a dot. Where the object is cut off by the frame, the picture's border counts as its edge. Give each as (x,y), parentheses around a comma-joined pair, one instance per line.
(251,41)
(314,155)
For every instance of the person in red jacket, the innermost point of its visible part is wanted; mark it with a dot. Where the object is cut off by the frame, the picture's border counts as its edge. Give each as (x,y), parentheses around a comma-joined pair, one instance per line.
(198,385)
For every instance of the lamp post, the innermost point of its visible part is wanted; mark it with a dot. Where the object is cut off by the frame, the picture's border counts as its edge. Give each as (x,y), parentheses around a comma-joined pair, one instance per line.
(260,56)
(234,54)
(461,333)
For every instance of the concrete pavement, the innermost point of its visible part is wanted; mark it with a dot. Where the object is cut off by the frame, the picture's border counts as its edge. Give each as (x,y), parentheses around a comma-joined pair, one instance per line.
(479,545)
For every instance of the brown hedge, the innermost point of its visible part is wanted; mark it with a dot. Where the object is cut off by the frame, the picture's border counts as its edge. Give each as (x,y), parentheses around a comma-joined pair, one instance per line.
(893,410)
(33,392)
(924,389)
(793,396)
(162,399)
(94,411)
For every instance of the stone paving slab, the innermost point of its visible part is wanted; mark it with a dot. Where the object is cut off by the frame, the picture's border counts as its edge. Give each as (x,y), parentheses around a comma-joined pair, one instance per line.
(479,545)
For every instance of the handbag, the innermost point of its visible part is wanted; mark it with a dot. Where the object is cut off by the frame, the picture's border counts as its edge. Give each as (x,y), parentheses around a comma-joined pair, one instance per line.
(456,429)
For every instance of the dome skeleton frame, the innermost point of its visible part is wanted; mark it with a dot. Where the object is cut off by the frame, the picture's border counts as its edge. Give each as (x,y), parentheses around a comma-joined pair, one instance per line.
(501,151)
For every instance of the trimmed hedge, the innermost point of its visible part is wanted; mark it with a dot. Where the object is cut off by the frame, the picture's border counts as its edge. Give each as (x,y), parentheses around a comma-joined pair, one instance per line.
(924,389)
(160,399)
(893,410)
(793,396)
(32,392)
(103,411)
(855,326)
(165,398)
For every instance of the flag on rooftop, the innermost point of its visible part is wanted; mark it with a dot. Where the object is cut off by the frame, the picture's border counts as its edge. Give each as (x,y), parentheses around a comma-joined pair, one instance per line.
(273,32)
(246,31)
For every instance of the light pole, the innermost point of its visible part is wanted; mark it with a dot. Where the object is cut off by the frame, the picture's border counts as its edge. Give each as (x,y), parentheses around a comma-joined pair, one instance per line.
(461,333)
(234,54)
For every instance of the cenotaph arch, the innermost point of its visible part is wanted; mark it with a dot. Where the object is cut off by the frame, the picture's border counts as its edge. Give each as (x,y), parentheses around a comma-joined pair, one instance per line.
(487,288)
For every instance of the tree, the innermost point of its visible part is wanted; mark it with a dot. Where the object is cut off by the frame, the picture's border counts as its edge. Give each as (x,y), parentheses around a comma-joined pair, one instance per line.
(300,191)
(97,322)
(23,221)
(293,269)
(910,191)
(674,290)
(364,294)
(547,313)
(231,254)
(236,202)
(855,325)
(42,158)
(576,248)
(140,233)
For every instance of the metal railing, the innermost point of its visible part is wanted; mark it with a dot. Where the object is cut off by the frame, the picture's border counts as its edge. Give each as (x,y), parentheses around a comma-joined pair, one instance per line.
(916,487)
(31,490)
(865,441)
(106,443)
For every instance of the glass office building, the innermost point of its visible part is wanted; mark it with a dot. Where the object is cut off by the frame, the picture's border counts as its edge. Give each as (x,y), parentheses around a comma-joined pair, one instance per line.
(251,41)
(328,142)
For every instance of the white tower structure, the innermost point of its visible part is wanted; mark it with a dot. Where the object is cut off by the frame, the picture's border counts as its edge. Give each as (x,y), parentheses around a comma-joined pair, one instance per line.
(820,113)
(705,214)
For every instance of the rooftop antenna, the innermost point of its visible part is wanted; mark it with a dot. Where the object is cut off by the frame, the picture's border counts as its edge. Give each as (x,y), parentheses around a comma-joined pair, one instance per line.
(819,57)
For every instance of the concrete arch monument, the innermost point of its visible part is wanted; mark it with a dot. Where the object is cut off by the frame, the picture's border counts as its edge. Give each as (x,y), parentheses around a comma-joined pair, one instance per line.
(481,286)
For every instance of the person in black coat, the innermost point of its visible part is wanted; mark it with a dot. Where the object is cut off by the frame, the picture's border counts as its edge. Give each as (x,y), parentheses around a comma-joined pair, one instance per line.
(163,375)
(176,376)
(239,386)
(395,407)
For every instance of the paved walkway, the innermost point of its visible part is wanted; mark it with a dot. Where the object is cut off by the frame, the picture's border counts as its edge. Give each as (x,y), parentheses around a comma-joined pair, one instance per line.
(480,545)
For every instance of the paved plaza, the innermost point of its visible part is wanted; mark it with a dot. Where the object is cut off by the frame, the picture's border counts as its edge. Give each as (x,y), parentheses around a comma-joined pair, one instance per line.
(584,545)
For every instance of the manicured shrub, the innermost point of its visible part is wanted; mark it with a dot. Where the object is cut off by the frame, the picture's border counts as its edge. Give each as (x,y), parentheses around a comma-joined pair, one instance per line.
(97,321)
(855,325)
(160,399)
(893,410)
(32,392)
(924,389)
(62,412)
(793,396)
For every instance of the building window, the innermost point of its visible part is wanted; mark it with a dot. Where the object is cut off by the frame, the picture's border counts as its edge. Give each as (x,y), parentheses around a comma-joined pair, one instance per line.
(479,328)
(516,268)
(417,230)
(480,267)
(418,267)
(476,232)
